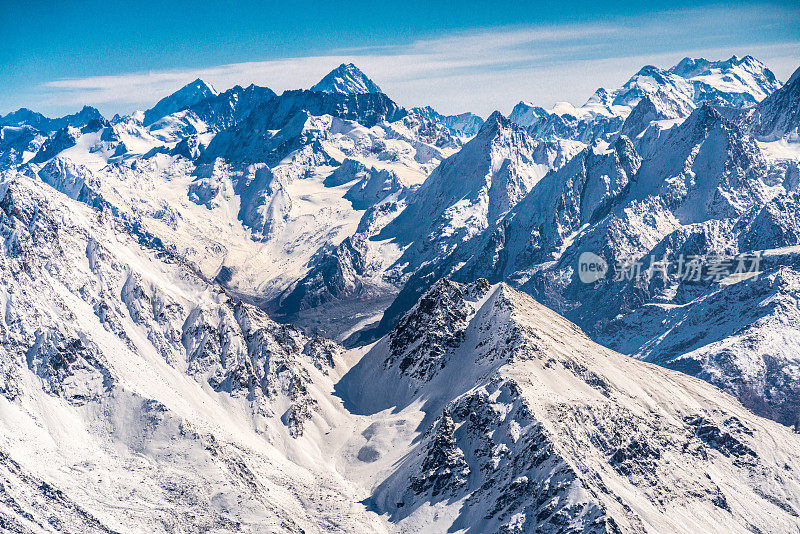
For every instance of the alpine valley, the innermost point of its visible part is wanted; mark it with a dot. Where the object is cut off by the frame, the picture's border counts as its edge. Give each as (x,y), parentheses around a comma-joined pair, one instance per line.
(321,311)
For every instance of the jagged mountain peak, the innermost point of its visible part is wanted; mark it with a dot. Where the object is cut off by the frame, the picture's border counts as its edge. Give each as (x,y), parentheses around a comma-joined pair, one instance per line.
(252,138)
(185,97)
(738,82)
(601,97)
(495,122)
(593,120)
(651,70)
(346,79)
(653,107)
(196,86)
(27,117)
(526,113)
(463,125)
(515,397)
(689,67)
(703,118)
(705,168)
(650,79)
(86,114)
(232,106)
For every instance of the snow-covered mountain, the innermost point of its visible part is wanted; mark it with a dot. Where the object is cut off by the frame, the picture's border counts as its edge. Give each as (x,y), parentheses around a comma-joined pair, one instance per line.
(468,192)
(565,121)
(527,426)
(734,82)
(232,106)
(657,106)
(137,396)
(346,79)
(146,259)
(248,140)
(778,116)
(185,97)
(693,193)
(26,117)
(463,125)
(248,201)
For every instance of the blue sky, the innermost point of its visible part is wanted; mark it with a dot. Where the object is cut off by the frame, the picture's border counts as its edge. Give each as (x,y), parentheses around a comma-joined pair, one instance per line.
(457,56)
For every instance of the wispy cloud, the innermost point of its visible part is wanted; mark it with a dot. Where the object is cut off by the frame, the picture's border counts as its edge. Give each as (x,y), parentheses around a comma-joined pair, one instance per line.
(489,69)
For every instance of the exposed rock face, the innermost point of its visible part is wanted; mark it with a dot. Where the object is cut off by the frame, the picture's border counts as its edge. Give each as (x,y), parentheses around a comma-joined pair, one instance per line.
(778,116)
(537,429)
(114,354)
(463,125)
(704,189)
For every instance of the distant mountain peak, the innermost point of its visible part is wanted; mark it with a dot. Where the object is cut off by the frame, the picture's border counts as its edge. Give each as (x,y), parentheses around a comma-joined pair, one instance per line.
(464,125)
(494,124)
(689,67)
(185,97)
(25,116)
(601,96)
(346,79)
(496,119)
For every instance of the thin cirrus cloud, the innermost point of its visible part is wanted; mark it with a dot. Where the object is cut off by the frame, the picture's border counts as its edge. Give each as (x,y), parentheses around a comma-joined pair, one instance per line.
(485,70)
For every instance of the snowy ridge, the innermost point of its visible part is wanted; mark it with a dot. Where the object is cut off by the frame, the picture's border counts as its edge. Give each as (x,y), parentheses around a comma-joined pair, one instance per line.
(529,426)
(119,363)
(463,125)
(734,82)
(694,181)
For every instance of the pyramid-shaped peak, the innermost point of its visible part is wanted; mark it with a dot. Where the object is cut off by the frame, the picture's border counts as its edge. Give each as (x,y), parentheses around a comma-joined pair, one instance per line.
(650,70)
(496,120)
(702,120)
(187,96)
(494,124)
(195,88)
(346,79)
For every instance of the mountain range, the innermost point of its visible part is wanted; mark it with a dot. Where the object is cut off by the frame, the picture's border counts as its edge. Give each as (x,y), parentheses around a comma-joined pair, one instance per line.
(321,311)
